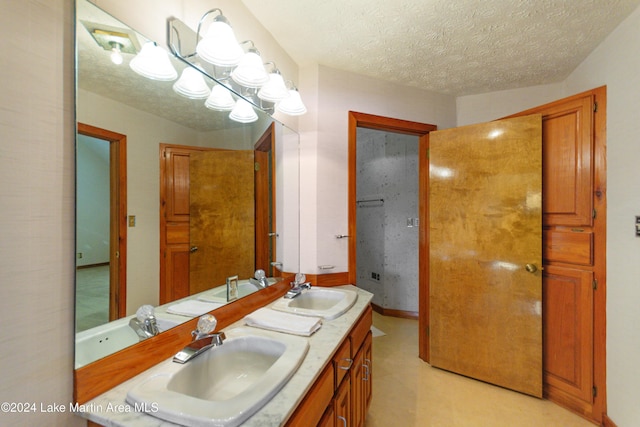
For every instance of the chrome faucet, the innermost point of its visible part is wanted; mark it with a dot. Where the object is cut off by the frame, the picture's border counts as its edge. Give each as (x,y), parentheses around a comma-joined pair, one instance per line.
(259,280)
(203,339)
(297,286)
(144,324)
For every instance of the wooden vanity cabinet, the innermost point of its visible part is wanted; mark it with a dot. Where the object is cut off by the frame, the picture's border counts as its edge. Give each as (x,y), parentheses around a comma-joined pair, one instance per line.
(350,395)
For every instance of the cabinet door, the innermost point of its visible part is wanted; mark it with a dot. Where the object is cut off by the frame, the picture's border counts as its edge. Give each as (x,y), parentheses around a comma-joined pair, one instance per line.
(329,418)
(342,404)
(368,373)
(568,337)
(357,389)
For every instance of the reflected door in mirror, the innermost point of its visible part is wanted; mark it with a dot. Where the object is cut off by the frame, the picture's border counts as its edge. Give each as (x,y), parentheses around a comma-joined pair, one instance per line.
(221,200)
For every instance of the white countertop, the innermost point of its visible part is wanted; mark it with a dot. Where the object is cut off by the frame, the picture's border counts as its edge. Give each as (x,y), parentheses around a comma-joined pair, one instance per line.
(111,409)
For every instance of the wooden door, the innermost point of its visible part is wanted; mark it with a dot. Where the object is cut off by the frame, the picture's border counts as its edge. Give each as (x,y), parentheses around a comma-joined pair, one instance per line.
(222,217)
(574,240)
(174,222)
(485,245)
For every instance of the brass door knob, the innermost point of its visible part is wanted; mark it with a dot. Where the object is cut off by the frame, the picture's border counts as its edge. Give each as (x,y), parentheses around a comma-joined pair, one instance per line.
(531,268)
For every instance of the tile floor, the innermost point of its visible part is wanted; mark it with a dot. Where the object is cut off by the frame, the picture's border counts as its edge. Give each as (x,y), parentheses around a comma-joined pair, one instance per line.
(92,297)
(409,392)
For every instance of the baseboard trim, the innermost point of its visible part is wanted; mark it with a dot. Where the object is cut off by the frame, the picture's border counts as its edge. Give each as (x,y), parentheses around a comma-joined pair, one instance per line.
(607,422)
(100,264)
(395,313)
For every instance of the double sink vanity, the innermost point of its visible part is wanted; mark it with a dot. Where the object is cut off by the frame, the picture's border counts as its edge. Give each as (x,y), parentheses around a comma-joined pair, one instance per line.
(259,377)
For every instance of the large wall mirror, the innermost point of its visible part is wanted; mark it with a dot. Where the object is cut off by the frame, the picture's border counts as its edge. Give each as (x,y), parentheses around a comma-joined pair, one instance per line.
(173,198)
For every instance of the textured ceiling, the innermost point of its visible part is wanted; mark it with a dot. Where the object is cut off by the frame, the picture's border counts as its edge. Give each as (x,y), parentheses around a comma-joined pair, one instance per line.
(457,47)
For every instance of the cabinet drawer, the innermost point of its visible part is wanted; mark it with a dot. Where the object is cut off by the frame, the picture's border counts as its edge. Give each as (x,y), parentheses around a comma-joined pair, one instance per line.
(342,361)
(360,331)
(568,246)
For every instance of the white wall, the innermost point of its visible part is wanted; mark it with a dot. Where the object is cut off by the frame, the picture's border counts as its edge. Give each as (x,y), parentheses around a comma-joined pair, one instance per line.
(324,142)
(37,216)
(92,212)
(616,64)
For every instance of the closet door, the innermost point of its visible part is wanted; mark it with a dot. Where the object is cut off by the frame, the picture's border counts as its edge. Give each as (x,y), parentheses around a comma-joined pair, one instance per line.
(485,239)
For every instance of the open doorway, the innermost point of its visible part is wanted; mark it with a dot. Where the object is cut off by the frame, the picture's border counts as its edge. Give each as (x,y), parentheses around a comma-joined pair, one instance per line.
(403,127)
(387,220)
(100,226)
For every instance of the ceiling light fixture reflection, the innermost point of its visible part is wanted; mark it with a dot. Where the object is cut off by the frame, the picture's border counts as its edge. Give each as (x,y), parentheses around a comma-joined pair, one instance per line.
(243,112)
(220,99)
(153,63)
(440,172)
(191,84)
(219,46)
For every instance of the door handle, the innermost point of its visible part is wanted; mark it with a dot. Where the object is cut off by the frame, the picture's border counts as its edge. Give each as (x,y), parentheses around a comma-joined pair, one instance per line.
(193,249)
(531,268)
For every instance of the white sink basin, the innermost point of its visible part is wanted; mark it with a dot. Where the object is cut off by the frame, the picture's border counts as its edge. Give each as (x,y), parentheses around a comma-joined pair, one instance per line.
(225,385)
(327,303)
(103,340)
(98,342)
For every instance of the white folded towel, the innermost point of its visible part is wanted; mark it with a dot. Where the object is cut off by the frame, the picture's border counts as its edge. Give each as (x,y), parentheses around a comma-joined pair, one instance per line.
(192,307)
(273,320)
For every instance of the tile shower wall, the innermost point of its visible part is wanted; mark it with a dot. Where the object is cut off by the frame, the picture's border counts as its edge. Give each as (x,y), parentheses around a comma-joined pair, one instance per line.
(387,230)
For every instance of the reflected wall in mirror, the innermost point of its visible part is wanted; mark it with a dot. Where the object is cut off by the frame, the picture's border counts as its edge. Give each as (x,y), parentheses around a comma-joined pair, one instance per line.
(172,197)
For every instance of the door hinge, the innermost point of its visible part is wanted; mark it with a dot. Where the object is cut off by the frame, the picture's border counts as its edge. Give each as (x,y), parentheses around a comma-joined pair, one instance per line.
(594,213)
(427,153)
(256,166)
(595,284)
(427,331)
(595,107)
(595,391)
(117,254)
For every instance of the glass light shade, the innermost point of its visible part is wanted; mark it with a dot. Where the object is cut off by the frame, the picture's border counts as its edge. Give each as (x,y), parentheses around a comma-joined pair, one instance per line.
(219,46)
(220,99)
(191,84)
(243,112)
(274,90)
(250,71)
(153,63)
(292,105)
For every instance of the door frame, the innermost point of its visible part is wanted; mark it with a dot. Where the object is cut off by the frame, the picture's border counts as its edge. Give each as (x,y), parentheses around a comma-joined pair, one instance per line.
(117,215)
(265,197)
(421,130)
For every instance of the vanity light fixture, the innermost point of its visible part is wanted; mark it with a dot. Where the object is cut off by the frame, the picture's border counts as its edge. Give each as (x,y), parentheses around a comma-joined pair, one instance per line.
(220,99)
(219,46)
(250,72)
(292,105)
(274,90)
(191,84)
(153,63)
(243,112)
